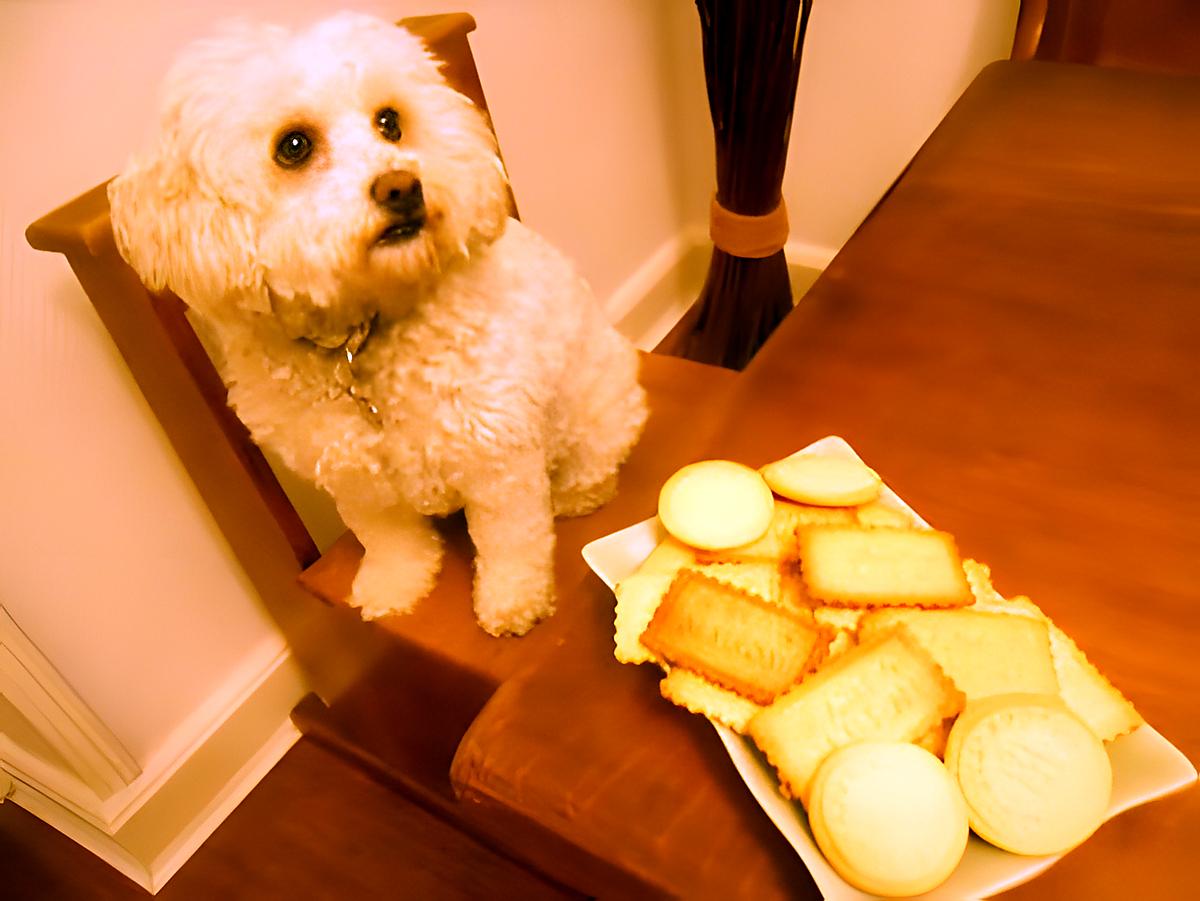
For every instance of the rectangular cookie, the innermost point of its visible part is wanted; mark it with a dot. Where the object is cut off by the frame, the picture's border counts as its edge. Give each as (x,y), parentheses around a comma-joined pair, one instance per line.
(732,637)
(638,596)
(771,581)
(695,693)
(984,653)
(1086,690)
(1088,693)
(846,566)
(886,689)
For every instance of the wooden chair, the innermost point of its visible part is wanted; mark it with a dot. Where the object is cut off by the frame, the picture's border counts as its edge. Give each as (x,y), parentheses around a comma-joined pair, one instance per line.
(1149,35)
(397,694)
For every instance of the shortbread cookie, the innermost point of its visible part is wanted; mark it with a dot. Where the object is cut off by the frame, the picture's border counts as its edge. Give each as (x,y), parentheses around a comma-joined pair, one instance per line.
(979,578)
(822,480)
(934,741)
(716,504)
(858,567)
(777,544)
(1091,697)
(842,618)
(878,515)
(842,641)
(1086,690)
(886,689)
(984,653)
(843,621)
(668,557)
(806,515)
(771,581)
(695,693)
(888,817)
(638,596)
(733,638)
(1035,778)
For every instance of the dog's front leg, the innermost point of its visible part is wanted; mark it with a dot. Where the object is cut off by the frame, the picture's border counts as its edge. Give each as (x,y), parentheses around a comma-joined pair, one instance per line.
(403,551)
(511,523)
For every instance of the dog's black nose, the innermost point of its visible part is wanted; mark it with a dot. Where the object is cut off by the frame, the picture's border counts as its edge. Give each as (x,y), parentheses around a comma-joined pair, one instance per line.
(398,191)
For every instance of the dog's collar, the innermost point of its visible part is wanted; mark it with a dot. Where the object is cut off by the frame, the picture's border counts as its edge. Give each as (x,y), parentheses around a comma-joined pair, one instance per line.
(344,370)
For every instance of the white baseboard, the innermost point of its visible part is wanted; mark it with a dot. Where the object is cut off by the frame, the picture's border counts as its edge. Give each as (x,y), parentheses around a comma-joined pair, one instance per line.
(803,255)
(185,793)
(650,301)
(189,840)
(648,304)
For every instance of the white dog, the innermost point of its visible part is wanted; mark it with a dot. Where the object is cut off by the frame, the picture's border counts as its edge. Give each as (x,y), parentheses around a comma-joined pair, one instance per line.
(336,217)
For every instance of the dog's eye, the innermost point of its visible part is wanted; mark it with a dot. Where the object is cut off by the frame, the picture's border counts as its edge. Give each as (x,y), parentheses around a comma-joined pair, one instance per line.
(293,149)
(387,123)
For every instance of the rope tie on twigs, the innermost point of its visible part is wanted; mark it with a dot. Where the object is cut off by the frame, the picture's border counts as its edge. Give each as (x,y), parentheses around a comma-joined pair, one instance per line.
(751,237)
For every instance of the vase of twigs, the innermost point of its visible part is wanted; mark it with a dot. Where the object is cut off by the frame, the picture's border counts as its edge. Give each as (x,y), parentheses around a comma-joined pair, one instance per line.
(752,56)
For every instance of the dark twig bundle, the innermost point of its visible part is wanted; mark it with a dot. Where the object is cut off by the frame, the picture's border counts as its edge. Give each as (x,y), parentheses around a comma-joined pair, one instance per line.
(751,63)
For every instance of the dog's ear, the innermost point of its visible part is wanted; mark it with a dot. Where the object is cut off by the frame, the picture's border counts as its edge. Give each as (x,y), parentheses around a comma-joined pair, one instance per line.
(178,234)
(471,172)
(175,222)
(490,188)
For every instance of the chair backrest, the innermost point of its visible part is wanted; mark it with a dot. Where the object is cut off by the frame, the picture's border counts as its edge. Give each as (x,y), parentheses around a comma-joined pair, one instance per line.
(1150,35)
(178,379)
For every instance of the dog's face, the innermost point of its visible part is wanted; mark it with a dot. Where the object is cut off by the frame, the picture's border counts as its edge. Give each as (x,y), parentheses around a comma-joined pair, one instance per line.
(317,177)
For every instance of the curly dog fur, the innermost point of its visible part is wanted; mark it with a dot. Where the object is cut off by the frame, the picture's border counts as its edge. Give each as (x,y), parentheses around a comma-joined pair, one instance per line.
(336,218)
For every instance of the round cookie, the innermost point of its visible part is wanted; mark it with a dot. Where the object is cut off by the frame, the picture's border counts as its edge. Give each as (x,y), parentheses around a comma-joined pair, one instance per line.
(1036,780)
(823,480)
(716,504)
(888,817)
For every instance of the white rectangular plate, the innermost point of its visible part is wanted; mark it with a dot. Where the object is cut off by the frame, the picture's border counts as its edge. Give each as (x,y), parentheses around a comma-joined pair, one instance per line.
(1145,765)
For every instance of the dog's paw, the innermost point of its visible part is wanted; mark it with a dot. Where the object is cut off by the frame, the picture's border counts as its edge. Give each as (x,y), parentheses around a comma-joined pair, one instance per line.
(392,584)
(375,599)
(507,604)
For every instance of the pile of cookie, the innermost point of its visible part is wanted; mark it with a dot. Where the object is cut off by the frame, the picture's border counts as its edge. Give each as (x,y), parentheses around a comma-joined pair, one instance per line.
(899,697)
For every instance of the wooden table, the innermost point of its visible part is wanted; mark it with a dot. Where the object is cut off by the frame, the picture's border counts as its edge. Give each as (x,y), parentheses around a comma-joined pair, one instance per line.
(1012,339)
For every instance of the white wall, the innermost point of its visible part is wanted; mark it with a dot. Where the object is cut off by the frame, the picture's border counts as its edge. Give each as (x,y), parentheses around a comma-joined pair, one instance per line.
(877,77)
(111,562)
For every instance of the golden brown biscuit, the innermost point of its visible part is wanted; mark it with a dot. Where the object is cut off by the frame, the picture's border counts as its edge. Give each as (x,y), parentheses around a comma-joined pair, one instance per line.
(779,584)
(695,693)
(885,689)
(934,741)
(716,504)
(877,514)
(1035,778)
(670,556)
(1086,691)
(843,621)
(777,544)
(806,515)
(733,638)
(858,567)
(822,480)
(1090,695)
(984,653)
(888,817)
(638,596)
